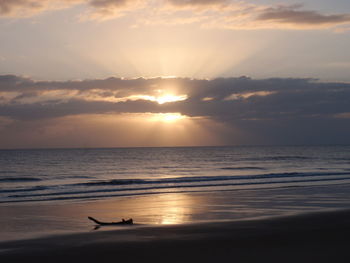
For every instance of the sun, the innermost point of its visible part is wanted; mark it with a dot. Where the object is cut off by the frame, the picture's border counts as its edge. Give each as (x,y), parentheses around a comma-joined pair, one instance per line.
(168,117)
(171,117)
(170,98)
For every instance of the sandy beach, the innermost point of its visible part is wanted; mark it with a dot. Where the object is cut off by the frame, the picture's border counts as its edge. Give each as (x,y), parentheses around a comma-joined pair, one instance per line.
(174,131)
(316,237)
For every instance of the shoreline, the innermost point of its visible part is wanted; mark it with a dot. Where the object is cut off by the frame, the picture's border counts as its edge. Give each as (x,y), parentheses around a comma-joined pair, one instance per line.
(29,221)
(320,236)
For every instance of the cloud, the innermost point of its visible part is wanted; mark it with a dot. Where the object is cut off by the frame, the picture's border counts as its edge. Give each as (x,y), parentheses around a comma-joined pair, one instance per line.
(230,98)
(98,9)
(237,15)
(199,3)
(108,3)
(20,7)
(300,18)
(108,9)
(243,15)
(105,8)
(260,110)
(25,8)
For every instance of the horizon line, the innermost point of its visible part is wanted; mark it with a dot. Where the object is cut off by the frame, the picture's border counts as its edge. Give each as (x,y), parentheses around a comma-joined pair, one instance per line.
(183,146)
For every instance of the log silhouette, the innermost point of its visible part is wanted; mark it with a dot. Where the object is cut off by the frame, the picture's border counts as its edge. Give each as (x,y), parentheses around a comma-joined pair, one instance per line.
(123,222)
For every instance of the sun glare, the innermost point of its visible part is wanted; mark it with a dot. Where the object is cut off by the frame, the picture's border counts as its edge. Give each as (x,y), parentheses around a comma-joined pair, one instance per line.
(170,98)
(173,117)
(168,117)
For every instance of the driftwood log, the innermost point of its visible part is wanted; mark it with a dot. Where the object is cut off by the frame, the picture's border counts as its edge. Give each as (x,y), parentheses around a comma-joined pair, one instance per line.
(123,222)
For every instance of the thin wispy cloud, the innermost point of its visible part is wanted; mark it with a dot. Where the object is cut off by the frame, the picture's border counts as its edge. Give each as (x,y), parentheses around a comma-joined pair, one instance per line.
(299,18)
(27,8)
(205,4)
(237,15)
(110,9)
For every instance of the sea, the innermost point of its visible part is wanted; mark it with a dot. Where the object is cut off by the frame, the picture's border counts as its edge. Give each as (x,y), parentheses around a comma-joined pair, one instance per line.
(54,191)
(61,175)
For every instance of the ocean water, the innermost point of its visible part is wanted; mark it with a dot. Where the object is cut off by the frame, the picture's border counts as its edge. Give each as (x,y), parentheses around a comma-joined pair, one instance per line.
(63,175)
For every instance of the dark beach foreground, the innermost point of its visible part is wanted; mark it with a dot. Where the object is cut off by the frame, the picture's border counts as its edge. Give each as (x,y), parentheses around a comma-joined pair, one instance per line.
(317,237)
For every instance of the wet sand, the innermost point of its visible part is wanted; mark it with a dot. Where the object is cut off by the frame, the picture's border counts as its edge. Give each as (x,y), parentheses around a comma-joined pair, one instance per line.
(34,220)
(317,237)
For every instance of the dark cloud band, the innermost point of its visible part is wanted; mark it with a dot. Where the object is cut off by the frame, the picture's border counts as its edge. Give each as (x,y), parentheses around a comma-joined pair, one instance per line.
(248,111)
(224,99)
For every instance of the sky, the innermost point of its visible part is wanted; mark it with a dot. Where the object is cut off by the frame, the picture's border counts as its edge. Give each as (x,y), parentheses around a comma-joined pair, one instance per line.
(125,73)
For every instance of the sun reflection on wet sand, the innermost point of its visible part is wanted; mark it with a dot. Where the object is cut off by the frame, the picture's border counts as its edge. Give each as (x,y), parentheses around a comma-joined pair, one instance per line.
(172,208)
(50,218)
